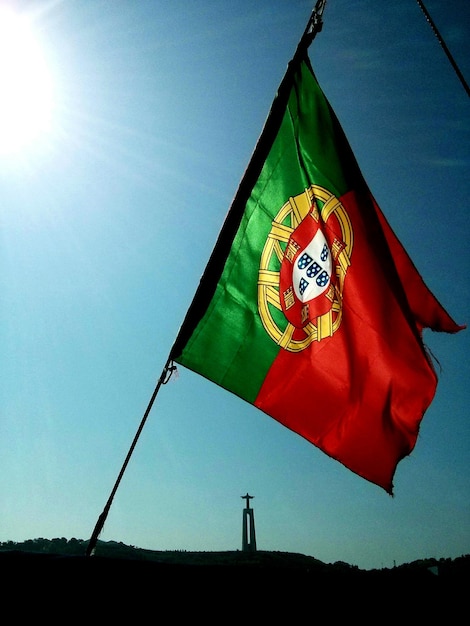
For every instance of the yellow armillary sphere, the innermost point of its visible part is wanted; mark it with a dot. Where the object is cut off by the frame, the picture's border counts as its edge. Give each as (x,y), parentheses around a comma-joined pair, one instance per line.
(295,275)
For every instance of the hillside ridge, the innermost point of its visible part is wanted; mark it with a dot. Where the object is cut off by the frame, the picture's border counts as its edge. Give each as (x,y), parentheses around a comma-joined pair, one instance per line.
(55,579)
(62,547)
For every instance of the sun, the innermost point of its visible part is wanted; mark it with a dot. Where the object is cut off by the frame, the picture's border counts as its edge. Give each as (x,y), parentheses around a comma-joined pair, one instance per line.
(26,99)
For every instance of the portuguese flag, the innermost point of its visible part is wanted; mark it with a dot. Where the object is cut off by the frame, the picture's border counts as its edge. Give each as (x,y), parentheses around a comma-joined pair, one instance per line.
(309,307)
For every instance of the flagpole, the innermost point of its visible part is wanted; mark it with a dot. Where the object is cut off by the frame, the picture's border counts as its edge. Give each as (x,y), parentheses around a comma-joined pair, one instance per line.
(315,22)
(164,378)
(314,26)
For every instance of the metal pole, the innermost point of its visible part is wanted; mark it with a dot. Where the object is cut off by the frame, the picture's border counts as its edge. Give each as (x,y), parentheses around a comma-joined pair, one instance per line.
(315,23)
(164,378)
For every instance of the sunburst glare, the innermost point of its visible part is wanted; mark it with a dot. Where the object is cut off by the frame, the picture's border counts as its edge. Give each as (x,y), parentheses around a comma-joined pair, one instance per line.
(26,94)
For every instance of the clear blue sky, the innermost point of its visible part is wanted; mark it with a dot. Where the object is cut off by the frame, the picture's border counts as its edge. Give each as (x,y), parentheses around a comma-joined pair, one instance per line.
(108,219)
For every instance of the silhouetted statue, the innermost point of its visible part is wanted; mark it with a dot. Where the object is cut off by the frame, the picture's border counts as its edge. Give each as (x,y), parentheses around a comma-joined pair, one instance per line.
(247,498)
(248,528)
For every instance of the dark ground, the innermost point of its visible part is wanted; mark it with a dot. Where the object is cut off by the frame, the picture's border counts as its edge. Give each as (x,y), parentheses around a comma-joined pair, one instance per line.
(223,587)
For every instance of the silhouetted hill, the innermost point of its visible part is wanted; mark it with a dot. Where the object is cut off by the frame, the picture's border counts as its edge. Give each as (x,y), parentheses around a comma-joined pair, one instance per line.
(121,580)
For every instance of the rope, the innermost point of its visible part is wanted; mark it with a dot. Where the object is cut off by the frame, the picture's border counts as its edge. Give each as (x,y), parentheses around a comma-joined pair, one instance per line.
(444,47)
